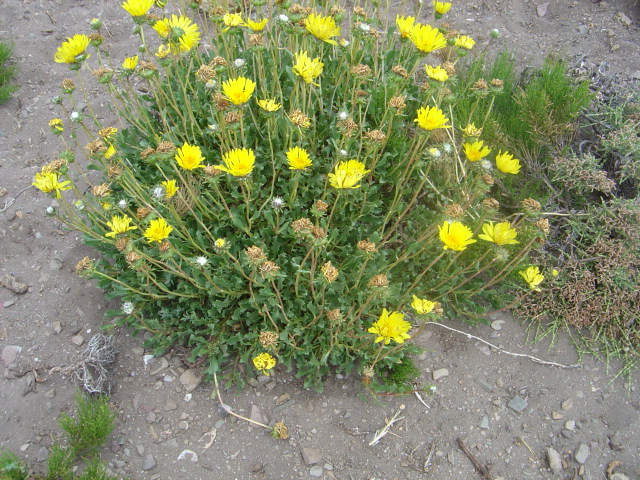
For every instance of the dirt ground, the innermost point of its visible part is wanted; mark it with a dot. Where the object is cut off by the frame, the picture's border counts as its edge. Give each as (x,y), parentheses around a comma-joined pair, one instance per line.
(508,410)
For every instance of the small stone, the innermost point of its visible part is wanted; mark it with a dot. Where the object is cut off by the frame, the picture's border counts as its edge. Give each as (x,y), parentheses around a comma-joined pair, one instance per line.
(137,398)
(615,47)
(582,453)
(10,354)
(311,456)
(271,385)
(137,350)
(315,471)
(557,416)
(55,264)
(497,324)
(183,425)
(190,380)
(57,327)
(77,340)
(219,424)
(188,397)
(264,379)
(583,29)
(50,393)
(257,415)
(151,417)
(24,447)
(570,425)
(43,454)
(140,449)
(618,476)
(615,441)
(555,461)
(568,434)
(149,463)
(170,405)
(567,404)
(440,373)
(484,423)
(624,19)
(517,404)
(542,9)
(283,399)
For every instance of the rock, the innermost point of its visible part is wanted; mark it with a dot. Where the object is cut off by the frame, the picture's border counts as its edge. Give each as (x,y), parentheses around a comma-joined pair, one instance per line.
(188,453)
(219,424)
(583,29)
(542,9)
(50,393)
(137,350)
(497,324)
(567,404)
(311,456)
(618,476)
(140,449)
(137,398)
(517,404)
(170,405)
(154,364)
(624,19)
(555,461)
(9,282)
(315,471)
(43,454)
(149,463)
(570,425)
(581,453)
(440,373)
(55,264)
(283,399)
(484,423)
(151,417)
(57,327)
(568,434)
(257,415)
(183,425)
(557,416)
(77,340)
(10,354)
(615,441)
(190,380)
(636,75)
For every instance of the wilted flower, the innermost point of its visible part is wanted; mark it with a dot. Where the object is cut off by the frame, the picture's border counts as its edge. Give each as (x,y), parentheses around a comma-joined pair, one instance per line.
(84,265)
(379,281)
(390,326)
(500,233)
(48,182)
(269,105)
(532,276)
(302,225)
(101,190)
(330,272)
(280,431)
(300,119)
(367,246)
(471,131)
(268,269)
(464,41)
(454,210)
(422,306)
(543,225)
(436,73)
(455,236)
(400,70)
(264,362)
(398,102)
(158,230)
(306,68)
(491,203)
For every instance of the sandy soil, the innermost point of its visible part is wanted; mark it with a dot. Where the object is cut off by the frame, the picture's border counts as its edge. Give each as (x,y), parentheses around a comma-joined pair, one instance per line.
(588,417)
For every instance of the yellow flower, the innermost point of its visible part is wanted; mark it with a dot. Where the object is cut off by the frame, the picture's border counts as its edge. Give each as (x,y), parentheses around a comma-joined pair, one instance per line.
(405,25)
(507,164)
(232,20)
(48,182)
(323,28)
(437,73)
(238,90)
(422,306)
(464,41)
(555,272)
(257,26)
(189,157)
(500,234)
(180,33)
(170,188)
(220,243)
(239,162)
(72,50)
(475,151)
(111,151)
(471,131)
(306,68)
(137,8)
(56,125)
(426,38)
(431,118)
(264,362)
(163,51)
(158,230)
(348,174)
(298,158)
(269,105)
(130,63)
(441,7)
(119,224)
(532,276)
(455,236)
(390,326)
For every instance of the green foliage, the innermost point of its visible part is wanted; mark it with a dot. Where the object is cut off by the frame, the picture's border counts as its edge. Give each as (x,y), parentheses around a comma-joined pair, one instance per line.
(60,463)
(7,72)
(88,430)
(301,263)
(11,467)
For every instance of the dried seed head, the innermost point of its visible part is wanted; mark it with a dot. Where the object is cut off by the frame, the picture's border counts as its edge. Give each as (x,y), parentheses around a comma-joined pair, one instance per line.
(298,118)
(269,269)
(334,315)
(206,73)
(256,40)
(212,171)
(449,67)
(255,255)
(361,70)
(142,212)
(379,281)
(318,232)
(330,272)
(165,246)
(488,179)
(347,126)
(496,83)
(114,170)
(218,61)
(146,152)
(368,373)
(83,266)
(165,147)
(531,204)
(400,70)
(97,146)
(398,102)
(101,190)
(268,339)
(360,11)
(233,116)
(454,210)
(375,135)
(543,224)
(321,206)
(437,308)
(121,243)
(280,431)
(132,257)
(54,165)
(367,246)
(222,103)
(480,85)
(302,225)
(107,132)
(336,10)
(68,86)
(491,203)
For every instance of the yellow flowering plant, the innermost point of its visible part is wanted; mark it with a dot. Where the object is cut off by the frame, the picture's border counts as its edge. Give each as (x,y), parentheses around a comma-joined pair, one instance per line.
(270,193)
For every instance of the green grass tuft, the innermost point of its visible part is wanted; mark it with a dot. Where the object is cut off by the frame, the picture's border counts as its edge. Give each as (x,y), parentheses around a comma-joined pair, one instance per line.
(7,72)
(93,423)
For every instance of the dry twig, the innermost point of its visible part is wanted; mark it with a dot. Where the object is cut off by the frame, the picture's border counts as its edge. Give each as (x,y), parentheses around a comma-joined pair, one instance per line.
(381,433)
(479,466)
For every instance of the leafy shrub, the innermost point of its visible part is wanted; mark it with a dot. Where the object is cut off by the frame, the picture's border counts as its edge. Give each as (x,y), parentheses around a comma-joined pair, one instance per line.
(283,195)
